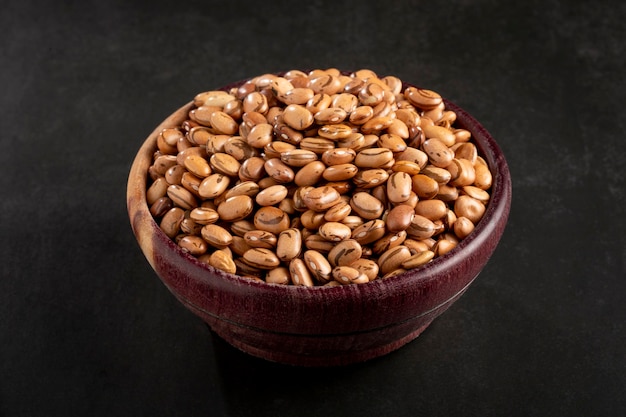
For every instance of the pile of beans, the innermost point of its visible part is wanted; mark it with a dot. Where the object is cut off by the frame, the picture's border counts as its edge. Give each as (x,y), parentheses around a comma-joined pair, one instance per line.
(318,178)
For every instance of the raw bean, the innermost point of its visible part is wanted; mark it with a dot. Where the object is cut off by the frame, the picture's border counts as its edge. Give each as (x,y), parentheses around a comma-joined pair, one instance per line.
(161,206)
(175,174)
(249,188)
(271,195)
(240,227)
(213,185)
(239,149)
(260,239)
(352,221)
(299,273)
(416,246)
(354,141)
(418,259)
(340,172)
(318,102)
(255,102)
(170,223)
(246,270)
(261,258)
(312,219)
(235,208)
(413,155)
(279,275)
(467,151)
(345,252)
(369,231)
(221,260)
(181,197)
(334,231)
(347,275)
(156,190)
(466,206)
(318,243)
(225,164)
(431,209)
(438,153)
(476,193)
(238,245)
(223,123)
(298,157)
(376,124)
(297,117)
(276,149)
(252,169)
(399,218)
(345,101)
(197,165)
(216,236)
(393,258)
(373,157)
(338,212)
(367,267)
(321,198)
(447,193)
(297,95)
(366,205)
(439,132)
(409,167)
(370,178)
(443,246)
(483,178)
(400,129)
(271,219)
(204,215)
(163,163)
(260,135)
(422,98)
(289,244)
(425,187)
(318,265)
(399,187)
(194,245)
(463,227)
(421,227)
(335,132)
(388,241)
(317,145)
(330,115)
(441,175)
(392,142)
(279,171)
(461,172)
(338,156)
(361,115)
(213,98)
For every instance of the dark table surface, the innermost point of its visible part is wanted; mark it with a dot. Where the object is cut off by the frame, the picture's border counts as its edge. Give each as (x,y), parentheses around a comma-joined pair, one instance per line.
(88,329)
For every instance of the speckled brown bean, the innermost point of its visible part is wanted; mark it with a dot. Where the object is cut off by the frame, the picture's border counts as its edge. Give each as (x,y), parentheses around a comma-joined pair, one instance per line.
(476,193)
(392,142)
(341,172)
(366,205)
(338,212)
(366,266)
(463,227)
(388,241)
(361,115)
(438,153)
(422,98)
(439,132)
(393,258)
(213,185)
(225,164)
(216,236)
(223,123)
(312,219)
(373,157)
(334,231)
(335,132)
(347,275)
(338,156)
(249,188)
(235,208)
(260,239)
(318,243)
(298,157)
(271,219)
(321,198)
(297,117)
(279,171)
(424,186)
(370,178)
(441,175)
(483,177)
(300,275)
(260,135)
(466,206)
(289,244)
(369,231)
(345,252)
(399,187)
(156,190)
(261,258)
(221,260)
(252,169)
(399,218)
(461,172)
(330,115)
(255,102)
(421,227)
(272,195)
(195,245)
(431,209)
(170,223)
(181,197)
(204,215)
(418,259)
(317,145)
(279,275)
(318,265)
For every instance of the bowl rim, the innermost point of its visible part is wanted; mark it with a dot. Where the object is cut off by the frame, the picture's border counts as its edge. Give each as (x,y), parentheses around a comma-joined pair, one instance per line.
(497,210)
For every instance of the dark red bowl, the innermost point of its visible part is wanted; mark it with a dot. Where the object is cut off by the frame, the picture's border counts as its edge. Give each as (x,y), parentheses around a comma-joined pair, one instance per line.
(320,326)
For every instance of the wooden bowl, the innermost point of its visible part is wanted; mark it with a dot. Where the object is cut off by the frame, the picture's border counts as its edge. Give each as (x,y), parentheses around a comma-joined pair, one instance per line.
(320,326)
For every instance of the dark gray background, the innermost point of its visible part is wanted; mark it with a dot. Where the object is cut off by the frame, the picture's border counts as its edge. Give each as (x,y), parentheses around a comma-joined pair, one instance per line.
(87,328)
